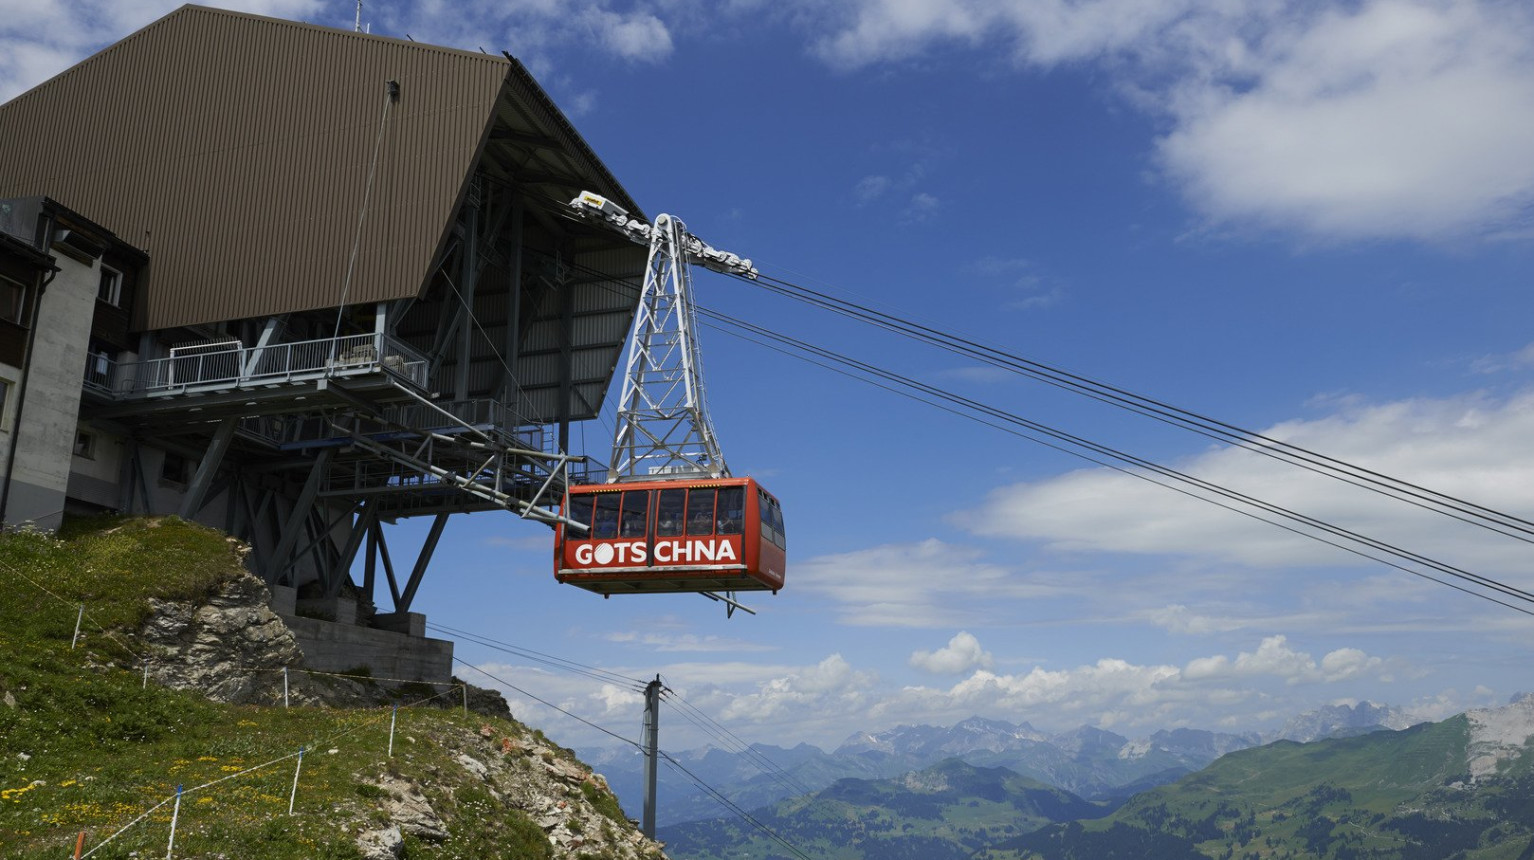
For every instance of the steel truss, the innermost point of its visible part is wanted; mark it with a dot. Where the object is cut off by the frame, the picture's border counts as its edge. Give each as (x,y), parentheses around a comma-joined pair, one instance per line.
(664,428)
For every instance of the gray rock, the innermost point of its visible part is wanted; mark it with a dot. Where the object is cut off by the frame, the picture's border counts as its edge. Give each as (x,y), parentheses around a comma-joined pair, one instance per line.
(385,844)
(408,808)
(231,649)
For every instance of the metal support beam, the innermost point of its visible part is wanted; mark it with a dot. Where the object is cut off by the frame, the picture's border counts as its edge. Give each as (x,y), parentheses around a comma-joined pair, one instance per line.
(388,565)
(369,562)
(365,518)
(295,522)
(318,534)
(421,561)
(468,285)
(566,350)
(191,503)
(509,384)
(268,332)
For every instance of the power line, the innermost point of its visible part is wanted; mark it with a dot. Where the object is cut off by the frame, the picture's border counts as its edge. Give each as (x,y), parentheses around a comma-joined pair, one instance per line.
(547,703)
(734,743)
(665,756)
(597,674)
(734,807)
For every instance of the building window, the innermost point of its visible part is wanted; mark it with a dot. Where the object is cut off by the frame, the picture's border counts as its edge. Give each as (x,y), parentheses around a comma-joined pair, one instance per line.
(111,288)
(13,301)
(173,468)
(85,445)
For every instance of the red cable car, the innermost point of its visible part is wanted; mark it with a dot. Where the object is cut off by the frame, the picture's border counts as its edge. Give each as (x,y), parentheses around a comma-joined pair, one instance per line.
(655,537)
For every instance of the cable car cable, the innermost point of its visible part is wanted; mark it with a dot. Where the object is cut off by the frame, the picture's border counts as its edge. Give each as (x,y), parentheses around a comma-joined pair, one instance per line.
(1358,476)
(592,672)
(1207,486)
(1485,582)
(1155,467)
(1378,482)
(1133,474)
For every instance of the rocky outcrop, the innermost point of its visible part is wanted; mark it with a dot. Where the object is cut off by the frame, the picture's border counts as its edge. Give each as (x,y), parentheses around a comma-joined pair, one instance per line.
(1498,735)
(231,648)
(567,801)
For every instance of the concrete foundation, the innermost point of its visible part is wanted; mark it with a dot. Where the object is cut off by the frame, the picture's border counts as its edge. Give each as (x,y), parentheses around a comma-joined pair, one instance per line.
(284,599)
(408,623)
(332,647)
(341,610)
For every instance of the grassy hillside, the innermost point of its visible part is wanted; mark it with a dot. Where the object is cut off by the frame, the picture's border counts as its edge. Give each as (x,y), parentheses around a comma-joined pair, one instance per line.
(84,746)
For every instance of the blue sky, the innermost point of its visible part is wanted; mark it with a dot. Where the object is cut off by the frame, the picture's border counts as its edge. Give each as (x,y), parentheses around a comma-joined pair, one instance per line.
(1312,219)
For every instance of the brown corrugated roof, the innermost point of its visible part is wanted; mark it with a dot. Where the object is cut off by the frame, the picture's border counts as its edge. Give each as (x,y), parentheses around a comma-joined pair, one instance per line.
(236,150)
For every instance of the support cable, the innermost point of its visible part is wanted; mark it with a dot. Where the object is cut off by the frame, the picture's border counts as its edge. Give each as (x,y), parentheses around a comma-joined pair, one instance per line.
(391,92)
(1074,444)
(1469,512)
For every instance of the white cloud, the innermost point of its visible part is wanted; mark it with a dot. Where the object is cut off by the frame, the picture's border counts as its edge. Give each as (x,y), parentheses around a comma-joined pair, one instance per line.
(823,702)
(1384,119)
(921,207)
(1473,447)
(1399,119)
(926,584)
(40,38)
(687,642)
(962,654)
(634,36)
(1047,31)
(1180,619)
(1274,658)
(1519,360)
(870,188)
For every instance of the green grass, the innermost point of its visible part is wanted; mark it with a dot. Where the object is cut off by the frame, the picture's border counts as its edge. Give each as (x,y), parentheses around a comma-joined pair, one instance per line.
(85,748)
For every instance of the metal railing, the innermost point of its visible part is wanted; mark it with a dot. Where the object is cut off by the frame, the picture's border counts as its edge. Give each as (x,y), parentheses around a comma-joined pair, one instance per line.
(242,366)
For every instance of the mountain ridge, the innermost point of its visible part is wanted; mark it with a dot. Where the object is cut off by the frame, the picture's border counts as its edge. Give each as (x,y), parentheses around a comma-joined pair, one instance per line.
(1092,762)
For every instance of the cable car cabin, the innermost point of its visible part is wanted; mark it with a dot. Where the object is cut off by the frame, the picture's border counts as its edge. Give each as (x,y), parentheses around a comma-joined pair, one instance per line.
(679,535)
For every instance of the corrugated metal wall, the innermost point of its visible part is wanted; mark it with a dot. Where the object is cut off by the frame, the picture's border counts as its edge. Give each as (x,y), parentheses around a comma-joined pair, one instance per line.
(236,149)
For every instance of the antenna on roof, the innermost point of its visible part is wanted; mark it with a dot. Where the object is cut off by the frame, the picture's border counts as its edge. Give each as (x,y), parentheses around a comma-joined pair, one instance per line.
(358,25)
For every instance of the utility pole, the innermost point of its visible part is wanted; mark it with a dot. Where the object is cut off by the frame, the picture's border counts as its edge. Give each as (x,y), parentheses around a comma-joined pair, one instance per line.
(652,754)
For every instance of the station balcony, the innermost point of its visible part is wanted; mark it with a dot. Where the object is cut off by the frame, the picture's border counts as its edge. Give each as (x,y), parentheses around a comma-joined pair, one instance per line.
(230,366)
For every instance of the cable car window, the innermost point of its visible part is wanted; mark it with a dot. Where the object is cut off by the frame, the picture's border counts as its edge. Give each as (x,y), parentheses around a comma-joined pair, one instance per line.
(700,512)
(670,512)
(732,510)
(579,510)
(764,509)
(777,524)
(636,513)
(606,524)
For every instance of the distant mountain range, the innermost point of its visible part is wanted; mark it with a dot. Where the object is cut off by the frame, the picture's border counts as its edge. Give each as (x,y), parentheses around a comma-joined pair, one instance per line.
(1091,763)
(943,812)
(1462,788)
